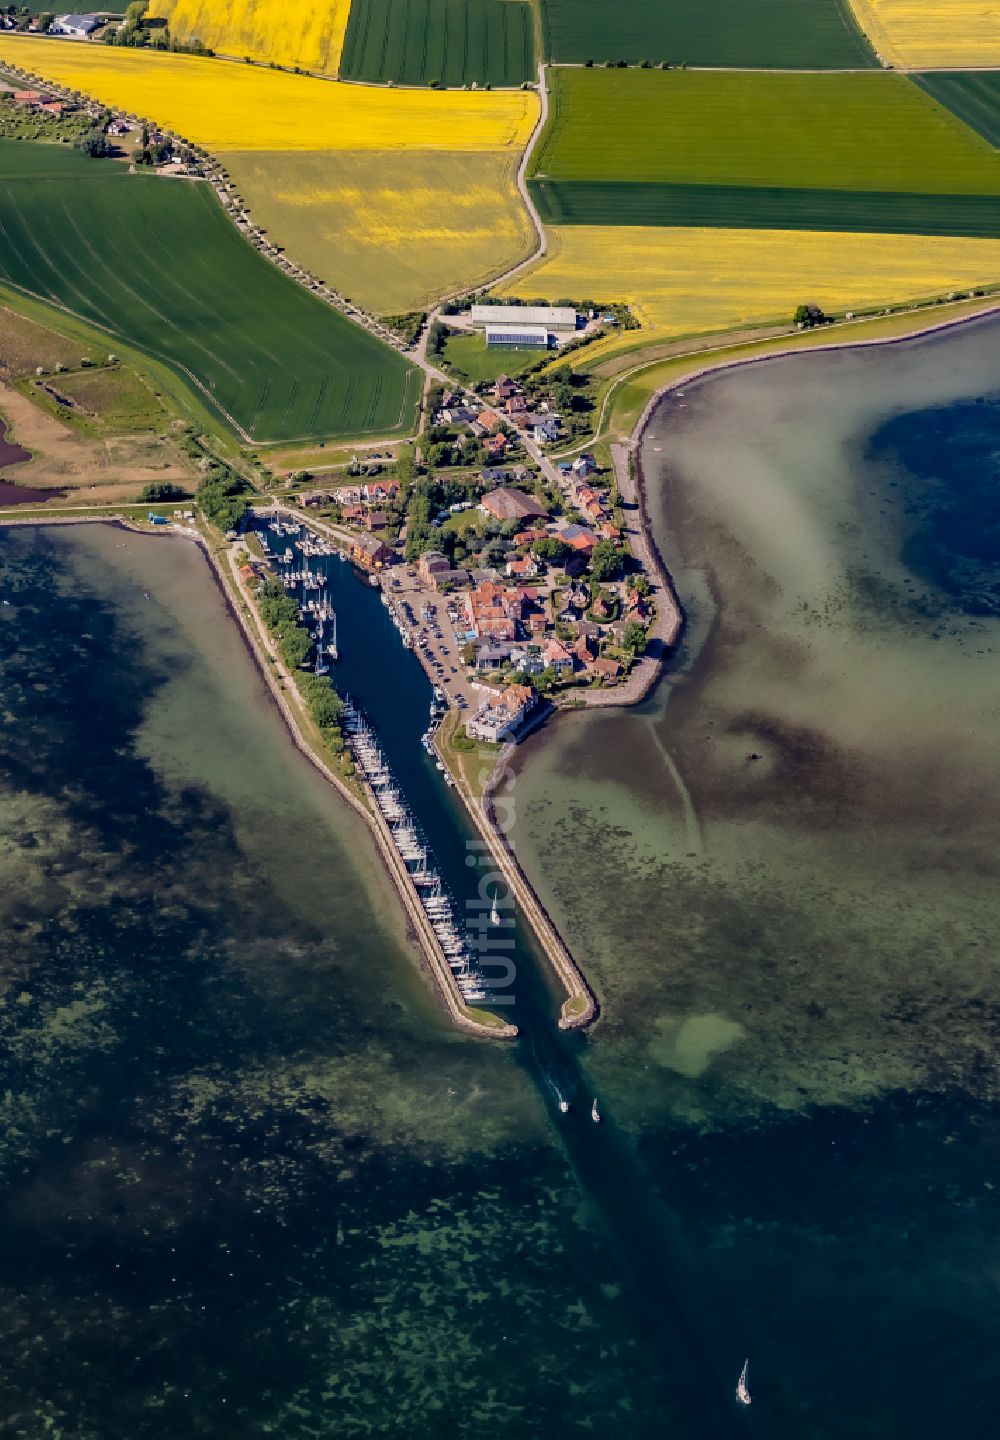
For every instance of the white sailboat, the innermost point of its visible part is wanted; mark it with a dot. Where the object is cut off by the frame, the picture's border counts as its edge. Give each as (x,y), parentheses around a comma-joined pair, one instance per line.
(742,1389)
(494,913)
(595,1114)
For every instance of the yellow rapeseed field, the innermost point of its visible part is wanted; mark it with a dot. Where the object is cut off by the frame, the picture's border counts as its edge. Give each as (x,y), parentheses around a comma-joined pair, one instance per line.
(289,32)
(682,282)
(932,33)
(392,230)
(225,106)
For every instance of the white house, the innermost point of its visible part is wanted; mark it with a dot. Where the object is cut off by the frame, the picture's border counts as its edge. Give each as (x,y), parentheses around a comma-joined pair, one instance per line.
(501,714)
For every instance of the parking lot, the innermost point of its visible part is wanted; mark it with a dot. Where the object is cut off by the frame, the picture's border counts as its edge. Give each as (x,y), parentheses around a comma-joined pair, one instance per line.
(437,635)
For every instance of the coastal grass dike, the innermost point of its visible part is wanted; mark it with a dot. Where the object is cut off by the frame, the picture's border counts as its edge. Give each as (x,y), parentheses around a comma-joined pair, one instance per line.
(157,264)
(442,42)
(798,34)
(835,150)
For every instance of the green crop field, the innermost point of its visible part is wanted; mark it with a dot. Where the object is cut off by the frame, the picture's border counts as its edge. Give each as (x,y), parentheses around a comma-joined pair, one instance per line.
(974,97)
(797,34)
(778,151)
(156,264)
(452,42)
(745,207)
(850,132)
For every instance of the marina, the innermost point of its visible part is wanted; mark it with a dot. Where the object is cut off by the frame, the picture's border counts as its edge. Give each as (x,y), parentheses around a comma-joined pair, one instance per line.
(305,565)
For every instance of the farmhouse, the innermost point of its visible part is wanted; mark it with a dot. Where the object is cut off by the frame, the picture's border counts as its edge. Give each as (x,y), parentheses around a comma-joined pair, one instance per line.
(507,504)
(75,27)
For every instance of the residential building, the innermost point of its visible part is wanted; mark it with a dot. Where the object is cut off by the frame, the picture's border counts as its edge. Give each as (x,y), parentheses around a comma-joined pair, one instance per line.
(577,538)
(545,430)
(527,658)
(584,465)
(376,520)
(607,668)
(76,27)
(507,504)
(495,445)
(492,654)
(525,569)
(353,514)
(432,563)
(557,657)
(501,714)
(489,420)
(504,388)
(493,610)
(369,552)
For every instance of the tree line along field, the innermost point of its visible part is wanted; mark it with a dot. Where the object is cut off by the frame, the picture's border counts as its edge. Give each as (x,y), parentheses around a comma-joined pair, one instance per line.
(974,98)
(847,151)
(448,42)
(798,34)
(156,264)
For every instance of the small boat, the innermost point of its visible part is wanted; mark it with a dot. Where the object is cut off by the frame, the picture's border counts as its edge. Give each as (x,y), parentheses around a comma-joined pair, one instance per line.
(595,1114)
(742,1389)
(494,913)
(564,1107)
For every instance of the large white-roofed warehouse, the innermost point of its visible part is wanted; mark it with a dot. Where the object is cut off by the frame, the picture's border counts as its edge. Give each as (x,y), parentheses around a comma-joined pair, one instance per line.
(550,317)
(517,337)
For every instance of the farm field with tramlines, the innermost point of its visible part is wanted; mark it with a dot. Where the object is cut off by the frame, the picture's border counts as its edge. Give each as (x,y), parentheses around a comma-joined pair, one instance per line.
(974,97)
(393,229)
(446,42)
(157,264)
(289,32)
(802,34)
(859,151)
(946,34)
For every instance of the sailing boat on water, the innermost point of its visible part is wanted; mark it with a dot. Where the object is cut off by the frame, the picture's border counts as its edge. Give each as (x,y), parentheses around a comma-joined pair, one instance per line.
(494,913)
(595,1114)
(742,1389)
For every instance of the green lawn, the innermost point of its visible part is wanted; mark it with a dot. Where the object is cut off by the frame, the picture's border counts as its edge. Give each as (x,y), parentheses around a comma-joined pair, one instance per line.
(974,97)
(156,264)
(874,132)
(799,34)
(453,42)
(468,357)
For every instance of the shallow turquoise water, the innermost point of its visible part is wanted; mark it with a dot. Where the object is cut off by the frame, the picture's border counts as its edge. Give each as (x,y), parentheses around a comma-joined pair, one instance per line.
(798,955)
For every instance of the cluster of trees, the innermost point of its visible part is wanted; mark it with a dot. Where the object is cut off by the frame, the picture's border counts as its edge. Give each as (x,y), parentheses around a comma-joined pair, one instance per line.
(140,31)
(221,495)
(160,491)
(607,561)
